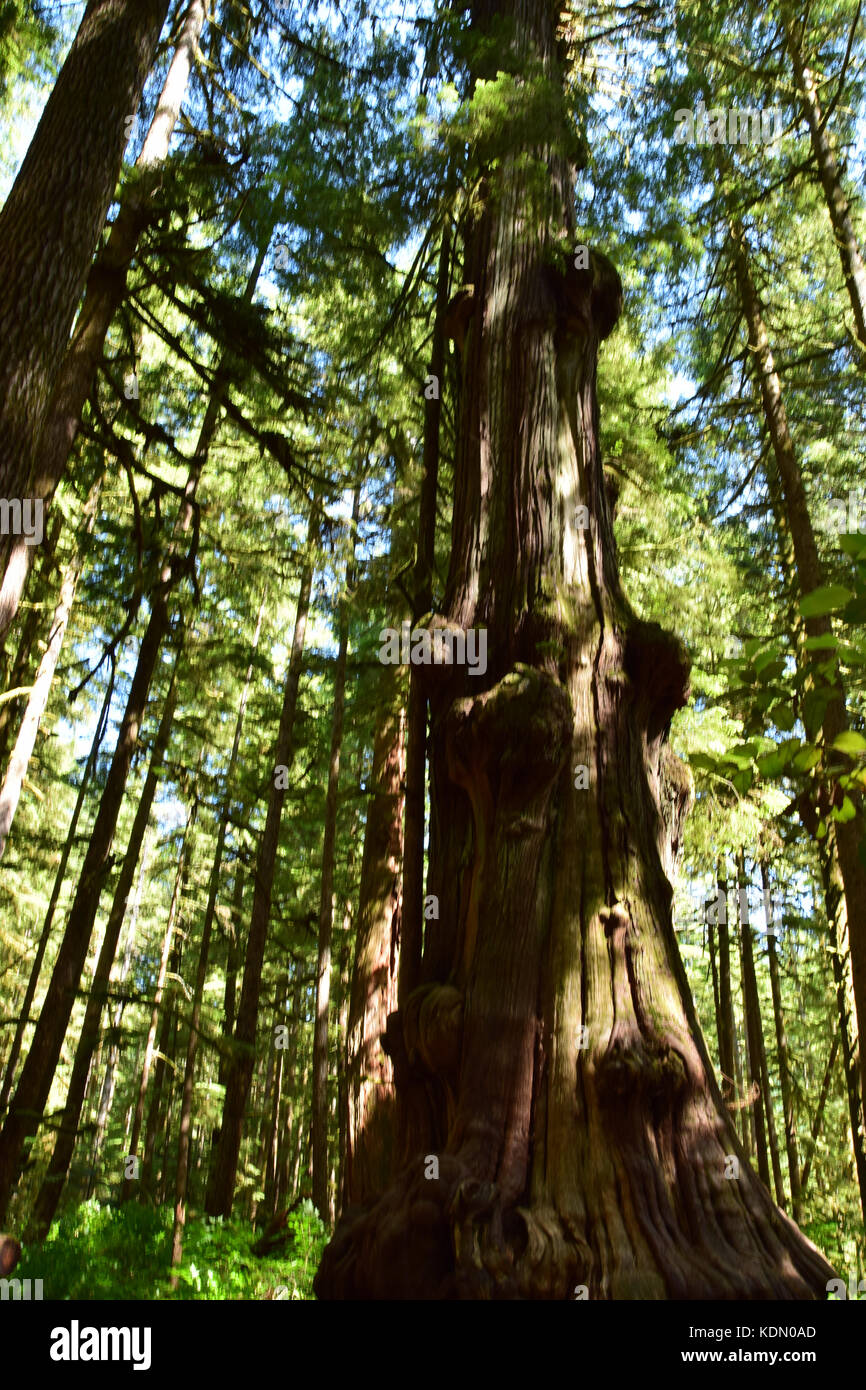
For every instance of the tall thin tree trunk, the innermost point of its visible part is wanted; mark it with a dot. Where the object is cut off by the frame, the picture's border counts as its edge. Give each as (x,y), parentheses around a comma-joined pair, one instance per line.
(726,999)
(38,1070)
(819,1113)
(837,918)
(285,1173)
(412,919)
(849,834)
(766,1094)
(782,1048)
(64,1145)
(173,1074)
(26,740)
(164,1051)
(321,1194)
(49,228)
(232,963)
(28,630)
(207,927)
(45,934)
(109,1082)
(184,1129)
(832,885)
(271,1126)
(225,1161)
(752,1017)
(130,1181)
(106,282)
(838,205)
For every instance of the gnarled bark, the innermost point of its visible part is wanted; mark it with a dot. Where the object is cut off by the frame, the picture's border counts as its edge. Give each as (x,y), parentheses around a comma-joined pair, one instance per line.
(550,1060)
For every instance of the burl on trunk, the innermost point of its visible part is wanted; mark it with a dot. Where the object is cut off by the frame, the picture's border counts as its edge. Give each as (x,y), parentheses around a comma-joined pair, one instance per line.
(551,1060)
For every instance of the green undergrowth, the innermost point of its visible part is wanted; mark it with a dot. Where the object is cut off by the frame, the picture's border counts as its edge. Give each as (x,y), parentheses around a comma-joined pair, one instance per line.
(104,1252)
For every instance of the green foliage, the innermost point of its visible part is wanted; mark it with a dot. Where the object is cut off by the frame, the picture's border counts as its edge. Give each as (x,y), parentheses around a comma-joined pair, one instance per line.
(105,1252)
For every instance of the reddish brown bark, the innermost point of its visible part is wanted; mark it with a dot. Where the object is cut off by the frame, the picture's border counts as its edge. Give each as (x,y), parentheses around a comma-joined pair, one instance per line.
(371,1123)
(50,224)
(558,1164)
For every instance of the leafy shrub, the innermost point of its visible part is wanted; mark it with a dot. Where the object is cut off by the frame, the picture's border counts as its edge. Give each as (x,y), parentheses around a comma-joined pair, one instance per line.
(107,1252)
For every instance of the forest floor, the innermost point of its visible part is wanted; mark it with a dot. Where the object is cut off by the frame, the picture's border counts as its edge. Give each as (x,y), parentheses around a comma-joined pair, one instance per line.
(88,1255)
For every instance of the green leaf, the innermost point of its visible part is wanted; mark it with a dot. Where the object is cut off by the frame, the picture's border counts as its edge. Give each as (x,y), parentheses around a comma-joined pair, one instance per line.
(849,742)
(826,641)
(853,544)
(807,757)
(814,707)
(752,646)
(828,599)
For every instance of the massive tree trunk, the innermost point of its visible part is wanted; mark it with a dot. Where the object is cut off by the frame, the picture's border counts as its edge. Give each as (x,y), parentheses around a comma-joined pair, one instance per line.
(50,225)
(221,1182)
(371,1124)
(540,1163)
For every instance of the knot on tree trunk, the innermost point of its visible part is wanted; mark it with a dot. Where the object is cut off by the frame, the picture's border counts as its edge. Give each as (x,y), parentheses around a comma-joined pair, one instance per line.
(676,798)
(432,1023)
(10,1254)
(588,299)
(455,322)
(659,668)
(642,1068)
(522,728)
